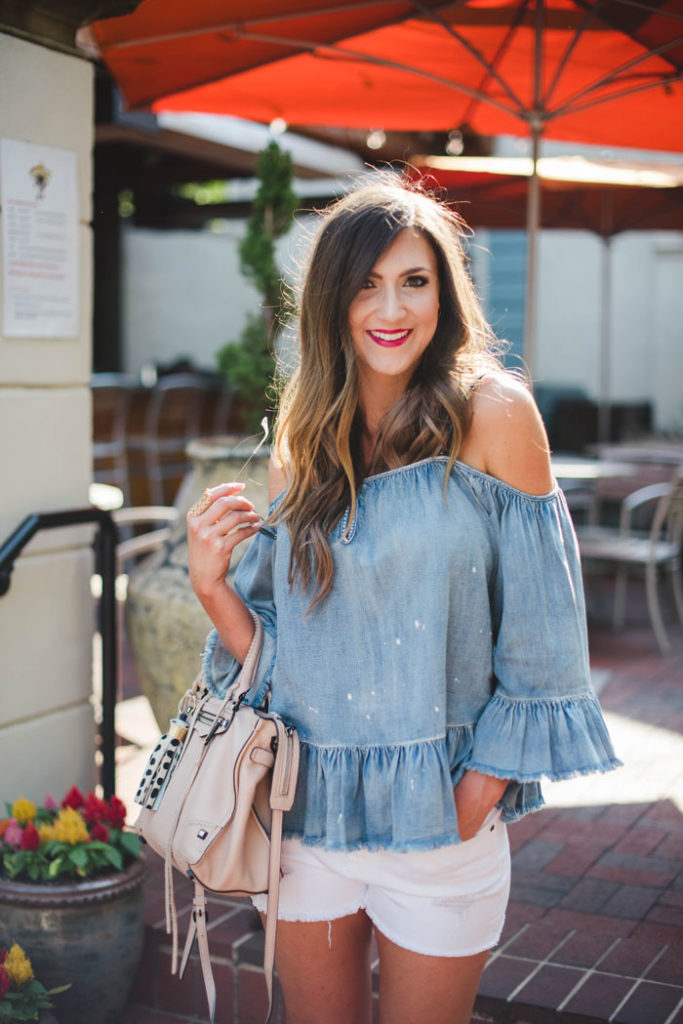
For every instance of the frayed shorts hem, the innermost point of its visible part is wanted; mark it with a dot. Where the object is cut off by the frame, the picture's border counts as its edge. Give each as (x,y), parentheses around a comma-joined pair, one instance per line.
(447,902)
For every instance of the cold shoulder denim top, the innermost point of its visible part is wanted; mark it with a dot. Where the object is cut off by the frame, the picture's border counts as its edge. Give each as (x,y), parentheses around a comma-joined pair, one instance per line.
(454,638)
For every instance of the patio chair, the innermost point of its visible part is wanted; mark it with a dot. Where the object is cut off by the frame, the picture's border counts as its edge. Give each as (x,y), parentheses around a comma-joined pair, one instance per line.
(135,546)
(111,400)
(624,550)
(177,412)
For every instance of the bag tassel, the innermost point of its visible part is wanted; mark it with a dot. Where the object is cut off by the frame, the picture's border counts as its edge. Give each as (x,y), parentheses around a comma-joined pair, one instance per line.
(161,764)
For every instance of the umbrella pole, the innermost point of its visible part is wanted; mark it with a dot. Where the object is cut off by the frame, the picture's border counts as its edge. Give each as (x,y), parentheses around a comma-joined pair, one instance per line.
(533,216)
(605,342)
(533,209)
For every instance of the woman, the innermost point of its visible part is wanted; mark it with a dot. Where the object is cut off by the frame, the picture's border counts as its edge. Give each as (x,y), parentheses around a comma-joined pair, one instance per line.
(424,623)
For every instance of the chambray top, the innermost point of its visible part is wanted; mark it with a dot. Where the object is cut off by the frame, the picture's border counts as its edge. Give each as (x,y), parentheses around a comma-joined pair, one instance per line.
(454,637)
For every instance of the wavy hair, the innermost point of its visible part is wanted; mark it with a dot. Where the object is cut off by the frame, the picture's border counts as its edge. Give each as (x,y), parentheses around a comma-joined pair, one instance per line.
(319,421)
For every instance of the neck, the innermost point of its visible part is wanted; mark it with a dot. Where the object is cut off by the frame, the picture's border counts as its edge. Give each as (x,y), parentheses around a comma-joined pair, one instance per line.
(376,400)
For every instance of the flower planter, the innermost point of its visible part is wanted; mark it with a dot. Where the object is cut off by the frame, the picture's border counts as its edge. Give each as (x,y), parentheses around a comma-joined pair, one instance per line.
(87,933)
(166,624)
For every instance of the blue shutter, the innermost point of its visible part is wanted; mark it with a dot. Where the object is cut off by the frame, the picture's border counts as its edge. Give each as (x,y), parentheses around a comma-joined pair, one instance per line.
(504,299)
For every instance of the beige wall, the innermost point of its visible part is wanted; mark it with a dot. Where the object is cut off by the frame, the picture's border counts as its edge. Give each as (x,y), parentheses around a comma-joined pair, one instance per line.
(46,618)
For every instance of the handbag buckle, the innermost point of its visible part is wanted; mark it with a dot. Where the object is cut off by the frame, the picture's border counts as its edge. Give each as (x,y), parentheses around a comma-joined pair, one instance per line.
(219,722)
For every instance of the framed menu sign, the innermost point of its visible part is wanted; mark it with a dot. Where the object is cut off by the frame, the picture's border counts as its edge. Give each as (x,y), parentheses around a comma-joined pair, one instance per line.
(39,196)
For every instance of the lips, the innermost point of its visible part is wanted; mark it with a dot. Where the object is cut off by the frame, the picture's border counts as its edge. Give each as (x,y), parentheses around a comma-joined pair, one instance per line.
(390,339)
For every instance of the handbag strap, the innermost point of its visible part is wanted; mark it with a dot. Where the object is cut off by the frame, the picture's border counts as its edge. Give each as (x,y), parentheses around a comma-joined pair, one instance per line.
(273,904)
(281,798)
(245,680)
(282,791)
(197,926)
(247,675)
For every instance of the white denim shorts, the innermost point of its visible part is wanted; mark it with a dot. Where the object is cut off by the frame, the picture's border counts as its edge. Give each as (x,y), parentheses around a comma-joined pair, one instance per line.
(445,902)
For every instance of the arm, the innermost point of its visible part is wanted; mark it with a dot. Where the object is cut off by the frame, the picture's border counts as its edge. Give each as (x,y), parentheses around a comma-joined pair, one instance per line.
(506,440)
(213,535)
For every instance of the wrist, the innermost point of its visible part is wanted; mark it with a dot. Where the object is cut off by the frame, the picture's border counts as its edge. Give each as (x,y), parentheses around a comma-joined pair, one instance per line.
(482,787)
(211,594)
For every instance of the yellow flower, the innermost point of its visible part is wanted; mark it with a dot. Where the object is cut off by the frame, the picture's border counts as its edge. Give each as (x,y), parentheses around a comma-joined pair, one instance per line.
(18,967)
(23,810)
(46,833)
(70,827)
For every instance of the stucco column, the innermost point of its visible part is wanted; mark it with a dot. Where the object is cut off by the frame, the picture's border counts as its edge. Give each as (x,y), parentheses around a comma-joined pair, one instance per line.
(47,617)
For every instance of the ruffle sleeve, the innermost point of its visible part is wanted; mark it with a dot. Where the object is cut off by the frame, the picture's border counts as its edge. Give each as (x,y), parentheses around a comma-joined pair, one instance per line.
(254,583)
(543,719)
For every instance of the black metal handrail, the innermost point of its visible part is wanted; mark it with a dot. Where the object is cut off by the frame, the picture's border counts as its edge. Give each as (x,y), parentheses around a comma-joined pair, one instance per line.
(105,561)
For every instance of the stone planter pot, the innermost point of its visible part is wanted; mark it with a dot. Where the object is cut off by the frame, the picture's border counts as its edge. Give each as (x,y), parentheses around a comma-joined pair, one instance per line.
(88,934)
(166,624)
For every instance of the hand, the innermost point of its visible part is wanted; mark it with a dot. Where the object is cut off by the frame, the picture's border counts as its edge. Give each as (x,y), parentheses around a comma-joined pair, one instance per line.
(476,795)
(213,532)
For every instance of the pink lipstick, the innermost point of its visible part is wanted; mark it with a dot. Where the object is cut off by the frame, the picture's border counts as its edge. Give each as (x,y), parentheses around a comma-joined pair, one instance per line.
(390,339)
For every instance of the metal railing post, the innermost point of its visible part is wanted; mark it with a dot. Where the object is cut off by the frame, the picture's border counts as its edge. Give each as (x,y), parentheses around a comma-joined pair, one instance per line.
(105,549)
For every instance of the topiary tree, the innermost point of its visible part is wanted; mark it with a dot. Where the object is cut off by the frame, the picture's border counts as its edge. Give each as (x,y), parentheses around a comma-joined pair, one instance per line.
(249,364)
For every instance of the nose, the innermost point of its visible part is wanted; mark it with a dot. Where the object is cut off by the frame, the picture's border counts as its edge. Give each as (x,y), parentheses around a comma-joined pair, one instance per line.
(391,305)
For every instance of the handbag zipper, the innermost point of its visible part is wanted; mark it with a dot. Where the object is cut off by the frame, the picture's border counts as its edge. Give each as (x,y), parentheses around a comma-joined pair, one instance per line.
(284,786)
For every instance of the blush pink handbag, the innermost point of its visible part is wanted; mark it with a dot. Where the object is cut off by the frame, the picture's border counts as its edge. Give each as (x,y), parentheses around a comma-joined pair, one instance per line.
(212,797)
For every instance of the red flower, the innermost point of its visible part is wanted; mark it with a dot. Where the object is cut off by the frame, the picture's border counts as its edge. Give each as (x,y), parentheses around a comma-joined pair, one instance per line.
(4,982)
(74,798)
(94,809)
(100,832)
(116,813)
(30,839)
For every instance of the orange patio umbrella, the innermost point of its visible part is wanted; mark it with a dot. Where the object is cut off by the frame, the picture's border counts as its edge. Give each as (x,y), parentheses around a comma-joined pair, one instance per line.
(603,197)
(605,71)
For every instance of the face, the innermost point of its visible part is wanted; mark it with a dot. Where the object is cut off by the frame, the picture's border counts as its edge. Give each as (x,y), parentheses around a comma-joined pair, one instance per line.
(393,317)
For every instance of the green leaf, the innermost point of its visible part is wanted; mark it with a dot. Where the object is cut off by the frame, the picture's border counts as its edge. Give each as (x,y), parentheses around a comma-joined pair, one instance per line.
(114,858)
(79,856)
(58,866)
(35,872)
(131,843)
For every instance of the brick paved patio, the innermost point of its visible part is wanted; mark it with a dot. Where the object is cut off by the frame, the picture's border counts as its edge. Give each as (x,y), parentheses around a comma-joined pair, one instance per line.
(594,931)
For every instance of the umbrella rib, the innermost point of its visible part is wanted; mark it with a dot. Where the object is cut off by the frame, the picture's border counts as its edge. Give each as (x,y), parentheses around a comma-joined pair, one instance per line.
(619,71)
(634,38)
(568,108)
(488,67)
(351,56)
(241,29)
(367,58)
(238,26)
(559,71)
(521,11)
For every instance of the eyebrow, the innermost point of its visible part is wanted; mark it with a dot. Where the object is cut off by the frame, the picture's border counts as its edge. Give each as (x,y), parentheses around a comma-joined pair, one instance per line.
(406,273)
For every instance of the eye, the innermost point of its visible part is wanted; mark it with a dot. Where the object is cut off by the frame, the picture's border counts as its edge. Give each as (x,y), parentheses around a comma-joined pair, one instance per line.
(416,281)
(367,284)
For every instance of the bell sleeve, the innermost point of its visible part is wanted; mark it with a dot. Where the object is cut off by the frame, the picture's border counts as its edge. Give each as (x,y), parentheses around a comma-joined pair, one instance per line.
(253,581)
(543,719)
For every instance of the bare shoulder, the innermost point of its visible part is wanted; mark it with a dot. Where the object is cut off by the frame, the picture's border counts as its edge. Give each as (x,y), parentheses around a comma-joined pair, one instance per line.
(507,438)
(277,480)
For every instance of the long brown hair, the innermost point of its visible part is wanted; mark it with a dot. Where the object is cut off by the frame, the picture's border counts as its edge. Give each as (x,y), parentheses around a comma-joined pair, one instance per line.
(319,421)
